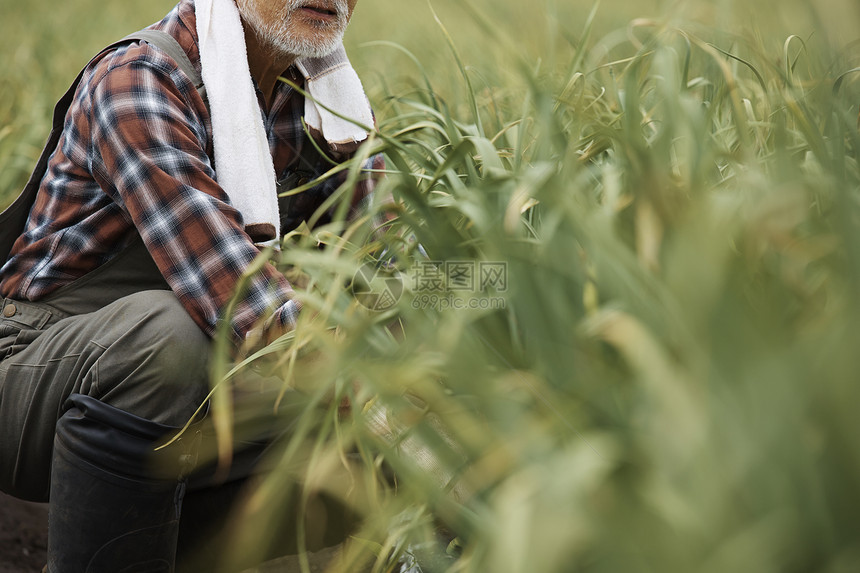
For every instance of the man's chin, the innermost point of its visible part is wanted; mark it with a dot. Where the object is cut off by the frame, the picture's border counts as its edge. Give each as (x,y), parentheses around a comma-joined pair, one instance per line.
(298,49)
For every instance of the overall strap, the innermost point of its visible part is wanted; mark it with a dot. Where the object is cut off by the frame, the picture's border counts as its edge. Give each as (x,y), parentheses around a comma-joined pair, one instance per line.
(169,45)
(14,219)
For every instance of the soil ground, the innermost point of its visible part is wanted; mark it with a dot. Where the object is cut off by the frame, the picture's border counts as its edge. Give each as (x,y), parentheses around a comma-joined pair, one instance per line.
(23,535)
(24,541)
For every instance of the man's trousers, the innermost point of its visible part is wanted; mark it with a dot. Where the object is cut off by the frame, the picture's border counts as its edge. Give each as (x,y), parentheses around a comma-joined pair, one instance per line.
(121,337)
(141,354)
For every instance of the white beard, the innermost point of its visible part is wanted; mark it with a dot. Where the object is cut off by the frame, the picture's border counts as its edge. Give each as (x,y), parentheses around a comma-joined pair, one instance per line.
(278,35)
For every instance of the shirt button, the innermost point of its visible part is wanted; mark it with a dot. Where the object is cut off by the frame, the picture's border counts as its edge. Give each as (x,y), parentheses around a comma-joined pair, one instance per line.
(9,310)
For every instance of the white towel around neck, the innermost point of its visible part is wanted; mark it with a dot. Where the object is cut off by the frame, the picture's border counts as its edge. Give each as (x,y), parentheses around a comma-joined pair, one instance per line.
(243,160)
(333,84)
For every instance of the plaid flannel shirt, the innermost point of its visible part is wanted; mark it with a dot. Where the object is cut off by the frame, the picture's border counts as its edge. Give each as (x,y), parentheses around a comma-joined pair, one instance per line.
(135,158)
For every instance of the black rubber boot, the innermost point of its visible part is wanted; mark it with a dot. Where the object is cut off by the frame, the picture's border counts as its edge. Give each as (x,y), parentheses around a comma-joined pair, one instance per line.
(115,500)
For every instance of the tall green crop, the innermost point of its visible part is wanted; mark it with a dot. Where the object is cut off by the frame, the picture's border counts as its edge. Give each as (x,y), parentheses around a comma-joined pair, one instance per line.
(664,379)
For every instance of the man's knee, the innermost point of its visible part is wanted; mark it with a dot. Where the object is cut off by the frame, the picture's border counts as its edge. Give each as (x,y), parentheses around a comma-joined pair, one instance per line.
(155,362)
(177,343)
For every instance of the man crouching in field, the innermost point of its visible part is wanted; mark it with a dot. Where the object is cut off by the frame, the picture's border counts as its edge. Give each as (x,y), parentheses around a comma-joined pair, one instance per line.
(160,190)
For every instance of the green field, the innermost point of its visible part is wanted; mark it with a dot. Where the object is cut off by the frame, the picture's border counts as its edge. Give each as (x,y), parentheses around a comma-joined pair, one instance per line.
(667,380)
